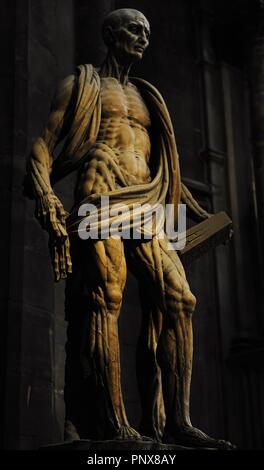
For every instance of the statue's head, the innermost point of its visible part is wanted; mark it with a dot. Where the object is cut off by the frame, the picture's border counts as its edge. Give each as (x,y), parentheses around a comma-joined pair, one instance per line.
(126,34)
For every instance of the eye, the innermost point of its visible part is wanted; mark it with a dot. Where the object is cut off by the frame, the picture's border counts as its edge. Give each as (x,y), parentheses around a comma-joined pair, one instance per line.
(147,33)
(133,28)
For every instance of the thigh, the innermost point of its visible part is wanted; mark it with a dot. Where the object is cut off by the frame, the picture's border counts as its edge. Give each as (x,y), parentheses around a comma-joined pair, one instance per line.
(104,263)
(173,270)
(158,270)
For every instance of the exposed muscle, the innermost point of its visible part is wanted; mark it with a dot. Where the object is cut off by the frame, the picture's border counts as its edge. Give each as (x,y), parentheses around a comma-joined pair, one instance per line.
(123,139)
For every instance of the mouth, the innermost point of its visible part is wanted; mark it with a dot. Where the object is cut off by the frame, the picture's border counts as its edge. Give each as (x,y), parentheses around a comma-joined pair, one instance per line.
(139,49)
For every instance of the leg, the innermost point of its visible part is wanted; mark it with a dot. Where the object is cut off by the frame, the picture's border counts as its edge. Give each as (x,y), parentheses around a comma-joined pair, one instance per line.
(105,276)
(174,346)
(144,264)
(175,351)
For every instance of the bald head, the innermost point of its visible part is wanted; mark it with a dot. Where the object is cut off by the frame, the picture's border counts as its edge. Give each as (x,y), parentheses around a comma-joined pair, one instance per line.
(121,17)
(126,33)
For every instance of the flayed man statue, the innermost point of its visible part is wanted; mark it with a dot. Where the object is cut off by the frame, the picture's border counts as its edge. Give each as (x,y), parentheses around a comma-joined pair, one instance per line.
(117,132)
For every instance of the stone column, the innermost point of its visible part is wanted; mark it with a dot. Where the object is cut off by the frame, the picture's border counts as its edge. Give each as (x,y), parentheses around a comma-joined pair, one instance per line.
(33,40)
(8,82)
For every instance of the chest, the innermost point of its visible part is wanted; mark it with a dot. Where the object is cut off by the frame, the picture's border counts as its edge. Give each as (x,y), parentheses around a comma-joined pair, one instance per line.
(123,102)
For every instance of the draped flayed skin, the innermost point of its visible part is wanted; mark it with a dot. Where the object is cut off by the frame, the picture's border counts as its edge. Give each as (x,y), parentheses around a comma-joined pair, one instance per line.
(165,185)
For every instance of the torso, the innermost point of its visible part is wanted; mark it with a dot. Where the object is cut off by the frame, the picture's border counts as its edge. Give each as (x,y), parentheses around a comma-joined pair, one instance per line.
(123,135)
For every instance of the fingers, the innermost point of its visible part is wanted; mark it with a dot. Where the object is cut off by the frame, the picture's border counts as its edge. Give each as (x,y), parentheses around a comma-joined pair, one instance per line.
(55,261)
(61,258)
(68,256)
(62,261)
(63,232)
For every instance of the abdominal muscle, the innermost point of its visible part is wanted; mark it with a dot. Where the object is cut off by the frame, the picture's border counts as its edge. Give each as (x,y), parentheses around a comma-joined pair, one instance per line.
(119,157)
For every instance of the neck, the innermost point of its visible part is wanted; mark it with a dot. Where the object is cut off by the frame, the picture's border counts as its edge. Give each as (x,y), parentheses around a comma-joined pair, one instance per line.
(112,68)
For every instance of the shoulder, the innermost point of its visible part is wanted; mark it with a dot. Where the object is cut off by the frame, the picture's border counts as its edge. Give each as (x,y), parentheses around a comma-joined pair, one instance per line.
(71,87)
(83,74)
(64,91)
(87,74)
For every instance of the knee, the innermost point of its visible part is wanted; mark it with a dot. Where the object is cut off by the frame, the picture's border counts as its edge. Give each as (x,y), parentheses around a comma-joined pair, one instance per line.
(181,303)
(189,302)
(107,299)
(113,298)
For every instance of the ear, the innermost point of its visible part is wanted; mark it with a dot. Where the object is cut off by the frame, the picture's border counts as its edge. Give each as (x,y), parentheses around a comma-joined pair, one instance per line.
(109,36)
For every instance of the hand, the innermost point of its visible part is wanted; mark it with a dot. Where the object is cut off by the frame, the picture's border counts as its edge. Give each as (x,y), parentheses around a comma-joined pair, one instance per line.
(204,216)
(61,258)
(52,216)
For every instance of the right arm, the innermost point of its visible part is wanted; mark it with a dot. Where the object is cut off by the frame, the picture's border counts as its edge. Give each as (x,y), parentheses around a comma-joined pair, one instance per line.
(49,209)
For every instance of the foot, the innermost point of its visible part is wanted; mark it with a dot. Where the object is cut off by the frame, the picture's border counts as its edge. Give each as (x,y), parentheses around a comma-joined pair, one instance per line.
(70,432)
(128,433)
(192,437)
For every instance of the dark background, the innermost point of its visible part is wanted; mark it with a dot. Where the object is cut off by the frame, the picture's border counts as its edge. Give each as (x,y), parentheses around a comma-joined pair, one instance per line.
(206,58)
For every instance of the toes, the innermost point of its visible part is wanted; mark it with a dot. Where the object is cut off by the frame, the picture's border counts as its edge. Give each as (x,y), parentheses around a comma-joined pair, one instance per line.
(226,445)
(126,432)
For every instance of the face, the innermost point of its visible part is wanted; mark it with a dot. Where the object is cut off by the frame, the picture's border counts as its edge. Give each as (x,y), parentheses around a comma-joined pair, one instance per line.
(131,38)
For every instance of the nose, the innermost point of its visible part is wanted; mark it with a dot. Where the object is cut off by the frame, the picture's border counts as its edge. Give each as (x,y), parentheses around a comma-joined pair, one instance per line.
(143,39)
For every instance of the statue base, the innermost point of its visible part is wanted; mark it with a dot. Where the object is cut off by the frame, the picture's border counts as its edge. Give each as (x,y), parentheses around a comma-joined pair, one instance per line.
(112,445)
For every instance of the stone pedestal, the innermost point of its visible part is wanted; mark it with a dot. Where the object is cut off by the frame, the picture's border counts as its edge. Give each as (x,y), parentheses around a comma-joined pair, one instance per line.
(111,445)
